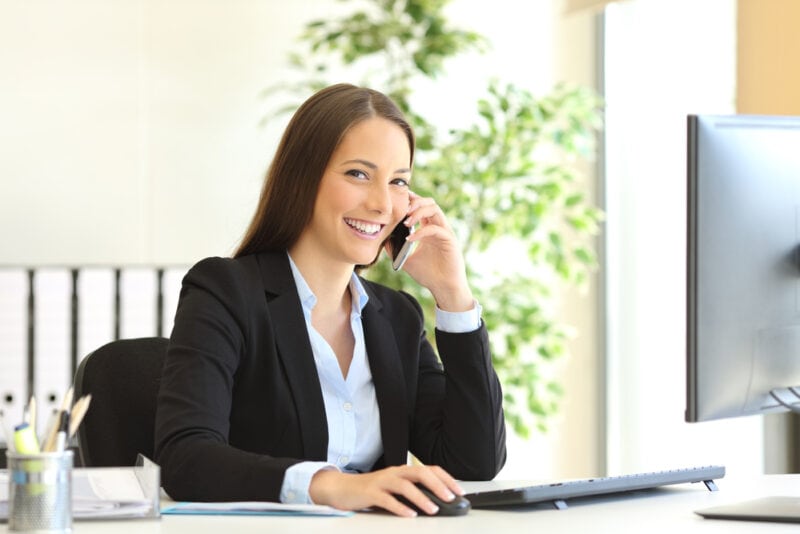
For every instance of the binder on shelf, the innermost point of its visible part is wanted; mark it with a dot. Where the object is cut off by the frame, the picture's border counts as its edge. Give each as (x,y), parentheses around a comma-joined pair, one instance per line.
(52,354)
(95,309)
(138,298)
(171,289)
(13,343)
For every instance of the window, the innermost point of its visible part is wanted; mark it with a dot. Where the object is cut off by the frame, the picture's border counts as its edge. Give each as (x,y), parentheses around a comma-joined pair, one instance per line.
(664,59)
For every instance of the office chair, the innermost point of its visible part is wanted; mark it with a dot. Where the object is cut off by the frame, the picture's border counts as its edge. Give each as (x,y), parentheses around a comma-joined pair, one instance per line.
(123,377)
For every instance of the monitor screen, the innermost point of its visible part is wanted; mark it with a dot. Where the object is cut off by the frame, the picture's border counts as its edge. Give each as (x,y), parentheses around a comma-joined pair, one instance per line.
(743,276)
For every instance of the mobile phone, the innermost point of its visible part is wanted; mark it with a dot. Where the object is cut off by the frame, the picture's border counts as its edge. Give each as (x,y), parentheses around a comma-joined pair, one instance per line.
(400,248)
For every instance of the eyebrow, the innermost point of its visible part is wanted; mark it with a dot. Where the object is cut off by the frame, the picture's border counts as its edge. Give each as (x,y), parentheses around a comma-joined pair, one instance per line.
(372,165)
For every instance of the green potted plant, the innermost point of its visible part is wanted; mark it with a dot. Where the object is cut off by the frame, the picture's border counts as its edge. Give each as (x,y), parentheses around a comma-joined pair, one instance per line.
(508,182)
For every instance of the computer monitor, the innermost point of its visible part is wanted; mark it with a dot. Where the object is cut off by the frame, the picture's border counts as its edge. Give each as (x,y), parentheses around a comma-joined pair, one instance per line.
(743,331)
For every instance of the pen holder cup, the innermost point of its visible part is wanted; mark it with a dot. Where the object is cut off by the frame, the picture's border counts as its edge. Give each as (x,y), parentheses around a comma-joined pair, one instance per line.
(40,492)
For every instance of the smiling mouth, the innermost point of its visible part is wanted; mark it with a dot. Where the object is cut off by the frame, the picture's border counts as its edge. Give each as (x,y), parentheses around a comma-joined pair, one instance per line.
(364,227)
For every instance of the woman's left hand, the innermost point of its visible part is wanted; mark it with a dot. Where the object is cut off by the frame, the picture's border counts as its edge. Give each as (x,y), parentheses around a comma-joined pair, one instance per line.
(437,263)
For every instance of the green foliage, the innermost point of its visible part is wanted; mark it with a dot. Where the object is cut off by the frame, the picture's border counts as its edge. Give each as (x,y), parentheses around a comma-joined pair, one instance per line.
(508,183)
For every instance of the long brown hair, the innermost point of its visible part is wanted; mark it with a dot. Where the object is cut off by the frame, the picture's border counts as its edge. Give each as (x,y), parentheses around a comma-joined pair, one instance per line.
(290,188)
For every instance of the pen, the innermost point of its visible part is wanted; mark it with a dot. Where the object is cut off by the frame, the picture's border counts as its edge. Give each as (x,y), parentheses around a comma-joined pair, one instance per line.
(26,443)
(52,433)
(30,413)
(61,435)
(25,439)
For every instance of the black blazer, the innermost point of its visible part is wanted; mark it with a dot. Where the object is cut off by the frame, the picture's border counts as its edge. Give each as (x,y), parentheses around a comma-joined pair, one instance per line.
(240,399)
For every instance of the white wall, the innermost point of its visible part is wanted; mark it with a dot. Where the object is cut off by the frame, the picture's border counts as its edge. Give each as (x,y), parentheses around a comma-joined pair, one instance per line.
(665,59)
(130,129)
(129,134)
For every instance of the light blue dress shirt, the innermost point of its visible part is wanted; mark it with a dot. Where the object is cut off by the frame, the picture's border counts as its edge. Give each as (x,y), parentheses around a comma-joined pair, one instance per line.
(351,408)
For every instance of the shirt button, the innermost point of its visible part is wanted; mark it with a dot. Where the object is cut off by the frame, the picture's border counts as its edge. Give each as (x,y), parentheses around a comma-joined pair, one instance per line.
(347,406)
(343,460)
(291,496)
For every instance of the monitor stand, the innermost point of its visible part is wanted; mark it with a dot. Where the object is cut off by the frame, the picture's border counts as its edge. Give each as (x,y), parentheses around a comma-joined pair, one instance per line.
(789,397)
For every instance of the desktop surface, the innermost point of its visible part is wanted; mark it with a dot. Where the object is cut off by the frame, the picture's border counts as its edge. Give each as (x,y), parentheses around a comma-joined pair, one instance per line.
(669,509)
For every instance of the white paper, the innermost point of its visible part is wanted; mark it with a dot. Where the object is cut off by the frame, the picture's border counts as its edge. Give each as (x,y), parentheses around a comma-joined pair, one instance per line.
(250,507)
(110,484)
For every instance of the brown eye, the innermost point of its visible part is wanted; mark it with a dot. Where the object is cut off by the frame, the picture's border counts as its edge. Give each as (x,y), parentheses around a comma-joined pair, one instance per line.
(355,173)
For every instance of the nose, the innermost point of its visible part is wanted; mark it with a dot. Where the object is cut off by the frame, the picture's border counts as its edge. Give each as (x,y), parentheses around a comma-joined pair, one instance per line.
(380,200)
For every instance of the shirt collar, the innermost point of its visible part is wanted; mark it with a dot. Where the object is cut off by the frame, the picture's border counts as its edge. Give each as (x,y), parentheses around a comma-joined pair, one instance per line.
(359,293)
(309,300)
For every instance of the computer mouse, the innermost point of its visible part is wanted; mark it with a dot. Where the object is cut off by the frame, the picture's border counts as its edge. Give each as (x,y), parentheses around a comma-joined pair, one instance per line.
(458,506)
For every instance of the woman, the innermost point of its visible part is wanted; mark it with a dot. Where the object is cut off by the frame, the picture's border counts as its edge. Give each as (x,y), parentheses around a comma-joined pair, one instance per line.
(290,378)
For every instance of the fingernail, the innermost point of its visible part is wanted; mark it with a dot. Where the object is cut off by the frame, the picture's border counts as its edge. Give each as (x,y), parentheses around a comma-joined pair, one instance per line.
(450,496)
(433,509)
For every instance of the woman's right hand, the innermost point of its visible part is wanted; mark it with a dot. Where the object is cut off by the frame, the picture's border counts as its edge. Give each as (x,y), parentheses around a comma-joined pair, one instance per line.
(437,263)
(348,491)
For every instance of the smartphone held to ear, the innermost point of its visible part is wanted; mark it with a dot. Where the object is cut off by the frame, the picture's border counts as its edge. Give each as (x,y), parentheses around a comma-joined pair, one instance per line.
(400,248)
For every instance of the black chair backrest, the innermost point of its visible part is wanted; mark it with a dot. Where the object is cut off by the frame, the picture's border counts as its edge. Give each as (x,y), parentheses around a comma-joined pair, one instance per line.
(123,377)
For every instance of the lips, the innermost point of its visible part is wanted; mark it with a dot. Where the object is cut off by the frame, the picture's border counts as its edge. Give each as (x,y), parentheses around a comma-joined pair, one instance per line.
(364,227)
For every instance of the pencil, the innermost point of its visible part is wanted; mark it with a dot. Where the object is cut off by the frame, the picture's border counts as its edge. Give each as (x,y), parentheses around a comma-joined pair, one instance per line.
(78,411)
(66,404)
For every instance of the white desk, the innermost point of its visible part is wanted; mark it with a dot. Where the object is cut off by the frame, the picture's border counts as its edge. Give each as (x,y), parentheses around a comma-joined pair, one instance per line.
(668,509)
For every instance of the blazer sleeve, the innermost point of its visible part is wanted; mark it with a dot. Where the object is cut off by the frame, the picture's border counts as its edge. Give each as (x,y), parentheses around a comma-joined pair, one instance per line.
(195,397)
(458,417)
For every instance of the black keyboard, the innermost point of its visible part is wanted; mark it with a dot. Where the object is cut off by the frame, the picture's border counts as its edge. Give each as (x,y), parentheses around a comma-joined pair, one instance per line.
(559,492)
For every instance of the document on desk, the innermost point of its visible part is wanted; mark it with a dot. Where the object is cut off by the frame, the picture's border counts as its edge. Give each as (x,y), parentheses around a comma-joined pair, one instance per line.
(106,493)
(251,508)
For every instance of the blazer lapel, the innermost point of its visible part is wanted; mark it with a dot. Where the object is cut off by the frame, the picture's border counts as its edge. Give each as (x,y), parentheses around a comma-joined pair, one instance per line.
(389,379)
(294,351)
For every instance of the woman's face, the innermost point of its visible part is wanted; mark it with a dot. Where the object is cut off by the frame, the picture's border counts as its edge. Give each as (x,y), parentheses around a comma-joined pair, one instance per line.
(363,193)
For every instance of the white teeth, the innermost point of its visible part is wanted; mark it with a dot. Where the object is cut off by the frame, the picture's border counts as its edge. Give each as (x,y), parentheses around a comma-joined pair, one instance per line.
(367,228)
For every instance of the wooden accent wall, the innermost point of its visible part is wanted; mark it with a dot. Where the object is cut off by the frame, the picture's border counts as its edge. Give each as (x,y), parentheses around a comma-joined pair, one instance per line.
(768,64)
